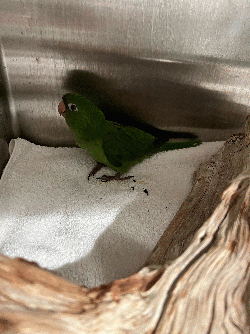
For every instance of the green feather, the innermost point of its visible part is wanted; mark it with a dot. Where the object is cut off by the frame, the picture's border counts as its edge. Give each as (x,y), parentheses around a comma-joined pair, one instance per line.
(117,146)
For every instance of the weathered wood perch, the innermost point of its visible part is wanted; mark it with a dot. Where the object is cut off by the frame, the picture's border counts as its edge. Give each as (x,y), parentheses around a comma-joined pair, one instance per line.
(200,283)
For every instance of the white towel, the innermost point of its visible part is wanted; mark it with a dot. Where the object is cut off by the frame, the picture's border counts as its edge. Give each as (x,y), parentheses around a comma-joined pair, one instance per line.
(91,232)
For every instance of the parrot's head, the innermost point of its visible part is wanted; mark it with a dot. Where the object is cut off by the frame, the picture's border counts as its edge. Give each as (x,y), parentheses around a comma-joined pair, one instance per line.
(80,114)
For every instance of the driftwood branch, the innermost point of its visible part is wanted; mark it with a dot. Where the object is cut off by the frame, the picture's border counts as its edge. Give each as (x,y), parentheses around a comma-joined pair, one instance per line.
(200,283)
(210,181)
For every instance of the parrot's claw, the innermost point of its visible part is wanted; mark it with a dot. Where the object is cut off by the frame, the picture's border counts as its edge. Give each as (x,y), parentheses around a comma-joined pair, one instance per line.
(97,167)
(117,177)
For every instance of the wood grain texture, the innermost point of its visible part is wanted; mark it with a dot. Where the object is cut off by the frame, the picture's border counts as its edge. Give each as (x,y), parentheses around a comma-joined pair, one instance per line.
(197,281)
(210,180)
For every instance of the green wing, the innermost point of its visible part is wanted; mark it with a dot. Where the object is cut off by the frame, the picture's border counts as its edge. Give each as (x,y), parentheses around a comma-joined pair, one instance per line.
(125,143)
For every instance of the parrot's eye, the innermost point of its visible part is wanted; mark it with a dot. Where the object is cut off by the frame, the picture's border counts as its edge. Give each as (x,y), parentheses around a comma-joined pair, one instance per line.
(72,107)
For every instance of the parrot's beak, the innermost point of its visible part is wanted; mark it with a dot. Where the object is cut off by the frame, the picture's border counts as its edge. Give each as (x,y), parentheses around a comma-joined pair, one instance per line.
(61,108)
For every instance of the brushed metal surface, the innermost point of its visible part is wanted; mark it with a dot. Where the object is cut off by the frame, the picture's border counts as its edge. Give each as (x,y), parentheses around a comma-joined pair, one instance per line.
(178,65)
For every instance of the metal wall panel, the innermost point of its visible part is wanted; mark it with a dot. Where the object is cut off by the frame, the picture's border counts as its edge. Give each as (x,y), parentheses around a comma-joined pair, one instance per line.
(178,65)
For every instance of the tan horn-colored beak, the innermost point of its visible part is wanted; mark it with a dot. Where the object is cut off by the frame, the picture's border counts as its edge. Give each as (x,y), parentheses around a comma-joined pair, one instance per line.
(61,108)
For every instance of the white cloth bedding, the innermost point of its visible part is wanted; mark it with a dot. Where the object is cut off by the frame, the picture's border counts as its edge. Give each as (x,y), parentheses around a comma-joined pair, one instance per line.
(91,232)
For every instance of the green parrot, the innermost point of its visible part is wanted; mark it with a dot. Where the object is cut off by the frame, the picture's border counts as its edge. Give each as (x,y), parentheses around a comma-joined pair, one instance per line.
(111,144)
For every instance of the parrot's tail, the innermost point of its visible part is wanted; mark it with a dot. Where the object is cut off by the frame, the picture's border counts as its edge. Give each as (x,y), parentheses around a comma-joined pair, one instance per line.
(168,146)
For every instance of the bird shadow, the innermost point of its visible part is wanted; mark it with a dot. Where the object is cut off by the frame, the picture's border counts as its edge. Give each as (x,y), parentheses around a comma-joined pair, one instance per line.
(112,101)
(153,103)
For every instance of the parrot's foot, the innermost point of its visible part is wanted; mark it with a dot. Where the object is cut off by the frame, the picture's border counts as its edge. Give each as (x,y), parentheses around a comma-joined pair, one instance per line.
(117,177)
(97,167)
